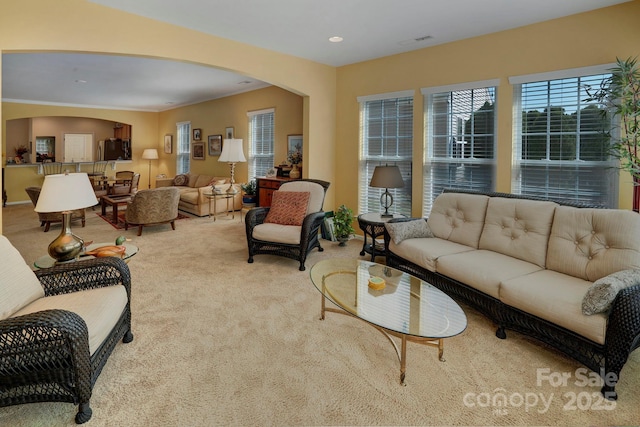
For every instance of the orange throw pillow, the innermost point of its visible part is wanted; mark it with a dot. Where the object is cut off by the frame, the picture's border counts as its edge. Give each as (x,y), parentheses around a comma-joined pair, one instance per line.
(288,207)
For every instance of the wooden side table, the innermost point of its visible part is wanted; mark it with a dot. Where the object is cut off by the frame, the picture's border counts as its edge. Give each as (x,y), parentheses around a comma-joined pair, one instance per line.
(372,225)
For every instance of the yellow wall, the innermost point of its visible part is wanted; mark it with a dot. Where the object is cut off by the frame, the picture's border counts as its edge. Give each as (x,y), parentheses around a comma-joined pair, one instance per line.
(80,26)
(214,116)
(576,41)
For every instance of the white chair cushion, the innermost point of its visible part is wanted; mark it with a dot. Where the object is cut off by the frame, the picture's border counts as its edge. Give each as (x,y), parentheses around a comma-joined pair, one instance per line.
(100,308)
(316,191)
(19,286)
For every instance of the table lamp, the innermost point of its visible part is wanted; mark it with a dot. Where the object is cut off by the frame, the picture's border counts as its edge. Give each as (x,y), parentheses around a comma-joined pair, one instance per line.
(232,153)
(150,154)
(386,177)
(64,193)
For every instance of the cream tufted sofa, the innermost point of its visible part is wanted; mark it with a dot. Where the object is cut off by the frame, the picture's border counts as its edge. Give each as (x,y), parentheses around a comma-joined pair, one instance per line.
(530,265)
(193,188)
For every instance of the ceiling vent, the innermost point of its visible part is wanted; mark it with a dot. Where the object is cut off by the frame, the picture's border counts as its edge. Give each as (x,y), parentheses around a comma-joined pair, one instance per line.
(416,40)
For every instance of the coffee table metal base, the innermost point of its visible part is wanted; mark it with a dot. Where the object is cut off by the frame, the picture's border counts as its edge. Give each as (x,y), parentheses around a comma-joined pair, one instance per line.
(400,352)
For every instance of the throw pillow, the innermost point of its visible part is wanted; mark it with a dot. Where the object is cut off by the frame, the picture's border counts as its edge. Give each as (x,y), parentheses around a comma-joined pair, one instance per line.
(181,180)
(403,230)
(602,292)
(288,207)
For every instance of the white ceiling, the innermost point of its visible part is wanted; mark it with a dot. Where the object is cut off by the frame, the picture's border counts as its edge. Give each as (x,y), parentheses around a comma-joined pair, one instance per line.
(370,28)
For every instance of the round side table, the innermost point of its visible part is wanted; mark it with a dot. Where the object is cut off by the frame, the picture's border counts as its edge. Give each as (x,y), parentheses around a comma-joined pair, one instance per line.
(372,225)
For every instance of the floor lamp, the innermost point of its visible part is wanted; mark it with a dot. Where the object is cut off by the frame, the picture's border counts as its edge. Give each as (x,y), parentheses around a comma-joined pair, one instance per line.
(232,153)
(150,154)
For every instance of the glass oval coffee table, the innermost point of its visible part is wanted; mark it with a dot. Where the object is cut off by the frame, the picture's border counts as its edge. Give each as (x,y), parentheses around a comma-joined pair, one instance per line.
(407,307)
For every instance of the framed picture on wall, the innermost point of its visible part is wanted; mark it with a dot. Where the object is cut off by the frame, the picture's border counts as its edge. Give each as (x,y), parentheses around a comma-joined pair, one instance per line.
(197,151)
(168,143)
(197,134)
(215,145)
(228,132)
(294,143)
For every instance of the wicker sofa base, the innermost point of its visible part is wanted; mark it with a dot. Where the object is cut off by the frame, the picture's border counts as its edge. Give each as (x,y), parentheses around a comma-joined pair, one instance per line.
(623,330)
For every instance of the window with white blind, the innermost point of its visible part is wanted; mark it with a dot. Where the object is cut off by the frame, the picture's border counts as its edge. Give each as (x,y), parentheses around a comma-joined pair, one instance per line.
(460,139)
(561,148)
(261,141)
(386,135)
(183,147)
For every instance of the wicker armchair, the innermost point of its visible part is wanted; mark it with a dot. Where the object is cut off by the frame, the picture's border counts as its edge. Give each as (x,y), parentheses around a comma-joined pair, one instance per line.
(46,218)
(52,348)
(153,206)
(289,241)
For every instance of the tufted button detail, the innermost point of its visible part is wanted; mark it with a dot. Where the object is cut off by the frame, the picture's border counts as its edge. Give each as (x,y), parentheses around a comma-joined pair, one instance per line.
(590,257)
(512,238)
(593,231)
(607,247)
(503,227)
(576,242)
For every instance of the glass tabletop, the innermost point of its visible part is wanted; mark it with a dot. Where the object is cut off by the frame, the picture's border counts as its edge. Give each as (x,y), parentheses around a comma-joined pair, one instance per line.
(406,305)
(46,261)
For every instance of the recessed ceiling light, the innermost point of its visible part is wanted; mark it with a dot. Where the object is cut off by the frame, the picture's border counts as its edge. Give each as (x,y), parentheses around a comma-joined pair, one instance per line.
(169,103)
(244,82)
(81,81)
(335,39)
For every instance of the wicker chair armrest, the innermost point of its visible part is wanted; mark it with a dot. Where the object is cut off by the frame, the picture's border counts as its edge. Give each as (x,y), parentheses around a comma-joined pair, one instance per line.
(311,221)
(43,341)
(86,274)
(623,328)
(256,216)
(387,237)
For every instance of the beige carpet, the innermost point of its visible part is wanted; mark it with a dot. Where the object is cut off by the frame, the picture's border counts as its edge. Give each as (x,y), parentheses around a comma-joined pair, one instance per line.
(219,341)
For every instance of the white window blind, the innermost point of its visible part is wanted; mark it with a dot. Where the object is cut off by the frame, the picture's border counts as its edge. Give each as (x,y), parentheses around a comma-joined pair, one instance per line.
(183,147)
(460,141)
(261,142)
(386,132)
(561,149)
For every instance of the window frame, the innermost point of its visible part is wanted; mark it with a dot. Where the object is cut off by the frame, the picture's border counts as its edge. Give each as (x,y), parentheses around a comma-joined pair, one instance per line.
(183,147)
(253,156)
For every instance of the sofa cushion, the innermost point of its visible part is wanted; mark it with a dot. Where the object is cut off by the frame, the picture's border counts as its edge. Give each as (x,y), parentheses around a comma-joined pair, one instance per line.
(270,232)
(100,308)
(555,297)
(518,228)
(182,179)
(19,285)
(483,270)
(593,243)
(458,217)
(201,181)
(425,251)
(399,231)
(190,195)
(288,207)
(603,292)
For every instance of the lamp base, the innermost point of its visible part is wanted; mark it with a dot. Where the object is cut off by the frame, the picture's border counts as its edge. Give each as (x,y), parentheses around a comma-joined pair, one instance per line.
(386,200)
(67,245)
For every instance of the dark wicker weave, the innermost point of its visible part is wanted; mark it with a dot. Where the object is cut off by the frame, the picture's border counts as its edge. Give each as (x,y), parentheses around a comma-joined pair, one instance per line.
(308,234)
(44,356)
(623,328)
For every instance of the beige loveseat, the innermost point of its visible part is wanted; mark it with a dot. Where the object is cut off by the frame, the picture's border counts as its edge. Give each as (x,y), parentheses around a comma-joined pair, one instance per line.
(547,269)
(193,188)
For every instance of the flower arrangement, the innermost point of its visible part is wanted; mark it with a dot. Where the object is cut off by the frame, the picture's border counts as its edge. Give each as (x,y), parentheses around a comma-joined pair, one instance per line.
(20,150)
(294,157)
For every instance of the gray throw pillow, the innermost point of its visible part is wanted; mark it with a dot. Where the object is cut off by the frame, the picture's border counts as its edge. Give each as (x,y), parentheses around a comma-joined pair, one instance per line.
(400,231)
(602,292)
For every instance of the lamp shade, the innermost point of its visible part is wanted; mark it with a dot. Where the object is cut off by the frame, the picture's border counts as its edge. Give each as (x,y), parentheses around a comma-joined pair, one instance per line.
(387,177)
(66,192)
(150,154)
(232,151)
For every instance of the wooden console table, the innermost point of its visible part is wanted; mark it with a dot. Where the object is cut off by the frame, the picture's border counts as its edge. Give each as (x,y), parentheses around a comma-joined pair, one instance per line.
(266,187)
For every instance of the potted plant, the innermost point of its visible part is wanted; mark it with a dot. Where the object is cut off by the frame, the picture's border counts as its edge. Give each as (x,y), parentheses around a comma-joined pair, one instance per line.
(342,220)
(619,98)
(250,189)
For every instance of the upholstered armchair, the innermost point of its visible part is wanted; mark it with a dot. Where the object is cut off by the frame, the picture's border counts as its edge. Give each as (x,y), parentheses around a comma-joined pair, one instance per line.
(289,227)
(46,218)
(153,206)
(58,327)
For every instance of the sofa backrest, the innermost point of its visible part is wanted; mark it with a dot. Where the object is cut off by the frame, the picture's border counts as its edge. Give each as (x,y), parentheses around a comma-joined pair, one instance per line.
(519,228)
(593,243)
(458,217)
(19,286)
(199,180)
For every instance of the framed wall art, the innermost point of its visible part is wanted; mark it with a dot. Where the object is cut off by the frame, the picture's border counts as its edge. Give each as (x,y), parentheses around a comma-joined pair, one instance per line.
(215,145)
(229,133)
(294,143)
(168,143)
(197,151)
(197,134)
